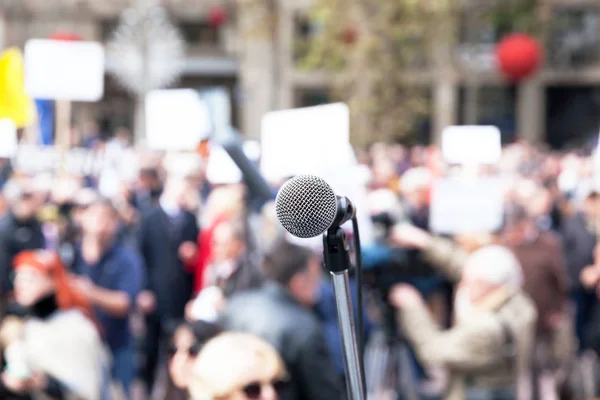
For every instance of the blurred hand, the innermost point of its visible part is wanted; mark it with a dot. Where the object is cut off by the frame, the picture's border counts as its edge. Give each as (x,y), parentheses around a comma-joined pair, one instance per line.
(14,384)
(146,302)
(38,382)
(404,295)
(188,252)
(590,276)
(82,284)
(406,235)
(555,320)
(207,305)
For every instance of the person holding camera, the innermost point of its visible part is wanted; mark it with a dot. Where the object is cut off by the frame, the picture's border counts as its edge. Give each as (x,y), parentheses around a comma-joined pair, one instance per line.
(487,351)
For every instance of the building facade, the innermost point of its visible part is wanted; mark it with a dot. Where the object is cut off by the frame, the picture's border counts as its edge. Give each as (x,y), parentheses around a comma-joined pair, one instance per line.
(559,105)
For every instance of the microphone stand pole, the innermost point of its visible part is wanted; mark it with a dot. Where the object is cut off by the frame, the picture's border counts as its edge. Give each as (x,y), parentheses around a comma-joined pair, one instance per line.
(337,262)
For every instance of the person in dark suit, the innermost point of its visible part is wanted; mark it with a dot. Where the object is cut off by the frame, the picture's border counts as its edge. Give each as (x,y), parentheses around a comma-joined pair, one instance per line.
(167,239)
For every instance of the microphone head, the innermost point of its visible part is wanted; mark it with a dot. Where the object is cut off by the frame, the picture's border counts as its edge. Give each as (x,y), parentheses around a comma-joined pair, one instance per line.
(306,206)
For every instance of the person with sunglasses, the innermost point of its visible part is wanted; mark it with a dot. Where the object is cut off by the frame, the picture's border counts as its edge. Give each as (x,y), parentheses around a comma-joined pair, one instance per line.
(238,366)
(185,344)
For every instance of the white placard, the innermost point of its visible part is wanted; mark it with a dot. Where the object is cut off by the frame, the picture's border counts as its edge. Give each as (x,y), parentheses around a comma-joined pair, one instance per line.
(176,119)
(8,138)
(471,144)
(62,70)
(304,140)
(467,206)
(221,169)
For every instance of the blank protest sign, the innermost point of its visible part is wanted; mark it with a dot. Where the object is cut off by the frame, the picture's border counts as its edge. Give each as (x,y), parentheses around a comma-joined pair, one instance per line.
(467,206)
(61,70)
(304,140)
(471,144)
(176,119)
(8,138)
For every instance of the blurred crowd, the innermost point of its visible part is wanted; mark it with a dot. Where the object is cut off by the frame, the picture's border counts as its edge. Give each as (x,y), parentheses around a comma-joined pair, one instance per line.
(164,285)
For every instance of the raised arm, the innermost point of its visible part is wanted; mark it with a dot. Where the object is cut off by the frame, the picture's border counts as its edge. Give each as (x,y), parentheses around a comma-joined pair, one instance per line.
(444,254)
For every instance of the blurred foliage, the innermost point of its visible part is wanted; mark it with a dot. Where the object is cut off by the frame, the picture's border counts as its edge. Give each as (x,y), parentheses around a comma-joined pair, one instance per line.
(368,47)
(514,16)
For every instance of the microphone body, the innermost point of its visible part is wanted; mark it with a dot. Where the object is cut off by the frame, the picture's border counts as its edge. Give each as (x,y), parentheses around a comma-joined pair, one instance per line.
(307,206)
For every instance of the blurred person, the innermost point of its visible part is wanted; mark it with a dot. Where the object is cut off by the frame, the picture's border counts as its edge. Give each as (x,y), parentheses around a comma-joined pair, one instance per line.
(280,312)
(110,275)
(414,187)
(186,342)
(224,203)
(578,232)
(59,351)
(6,170)
(542,259)
(19,228)
(230,269)
(122,139)
(167,239)
(383,174)
(90,134)
(238,366)
(487,351)
(147,190)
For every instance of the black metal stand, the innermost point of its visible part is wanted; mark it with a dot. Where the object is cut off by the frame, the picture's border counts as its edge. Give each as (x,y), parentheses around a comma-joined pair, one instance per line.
(337,262)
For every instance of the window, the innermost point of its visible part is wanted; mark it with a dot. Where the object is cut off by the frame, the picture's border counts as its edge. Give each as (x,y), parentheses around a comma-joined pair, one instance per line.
(199,33)
(107,27)
(574,36)
(312,97)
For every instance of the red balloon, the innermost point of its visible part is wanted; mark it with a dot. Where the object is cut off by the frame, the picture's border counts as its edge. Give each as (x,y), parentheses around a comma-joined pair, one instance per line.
(216,16)
(65,36)
(519,56)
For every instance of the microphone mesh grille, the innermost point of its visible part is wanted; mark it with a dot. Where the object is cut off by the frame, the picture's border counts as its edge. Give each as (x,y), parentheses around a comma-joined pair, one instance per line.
(306,206)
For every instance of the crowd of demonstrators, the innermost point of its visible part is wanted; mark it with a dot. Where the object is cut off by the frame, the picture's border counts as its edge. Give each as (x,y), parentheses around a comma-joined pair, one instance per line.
(160,278)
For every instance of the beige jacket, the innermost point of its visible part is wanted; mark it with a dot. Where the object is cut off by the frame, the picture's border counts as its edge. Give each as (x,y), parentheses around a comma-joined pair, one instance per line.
(473,351)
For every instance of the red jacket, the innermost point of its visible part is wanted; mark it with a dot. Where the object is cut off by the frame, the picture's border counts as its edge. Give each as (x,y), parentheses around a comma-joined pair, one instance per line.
(205,252)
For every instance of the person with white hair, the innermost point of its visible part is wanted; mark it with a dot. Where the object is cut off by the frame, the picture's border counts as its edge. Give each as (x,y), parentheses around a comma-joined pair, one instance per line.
(487,351)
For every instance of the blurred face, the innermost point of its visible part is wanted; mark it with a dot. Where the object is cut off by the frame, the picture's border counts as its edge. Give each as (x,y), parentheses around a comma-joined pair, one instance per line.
(305,285)
(472,286)
(515,234)
(99,221)
(417,198)
(183,354)
(31,285)
(26,207)
(226,246)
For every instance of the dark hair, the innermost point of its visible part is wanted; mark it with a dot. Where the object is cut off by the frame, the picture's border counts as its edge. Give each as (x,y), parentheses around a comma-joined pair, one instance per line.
(285,260)
(516,214)
(150,173)
(203,331)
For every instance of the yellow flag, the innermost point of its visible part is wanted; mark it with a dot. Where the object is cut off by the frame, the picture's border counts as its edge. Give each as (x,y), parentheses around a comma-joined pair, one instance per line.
(14,103)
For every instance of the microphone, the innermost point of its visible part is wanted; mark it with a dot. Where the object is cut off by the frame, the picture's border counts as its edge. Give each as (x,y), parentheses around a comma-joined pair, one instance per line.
(307,206)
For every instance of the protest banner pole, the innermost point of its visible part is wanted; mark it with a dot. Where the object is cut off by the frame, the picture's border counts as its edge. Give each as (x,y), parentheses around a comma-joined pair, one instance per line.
(63,131)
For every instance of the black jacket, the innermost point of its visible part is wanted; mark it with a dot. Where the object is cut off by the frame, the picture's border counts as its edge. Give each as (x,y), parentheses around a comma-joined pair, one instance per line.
(15,237)
(579,245)
(295,332)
